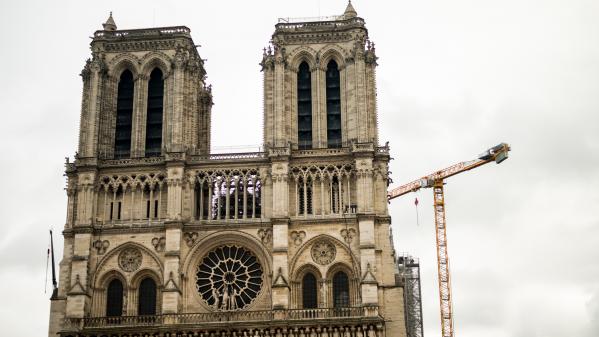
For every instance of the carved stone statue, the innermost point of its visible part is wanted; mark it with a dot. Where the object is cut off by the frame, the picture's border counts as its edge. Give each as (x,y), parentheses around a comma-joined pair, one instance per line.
(216,297)
(225,303)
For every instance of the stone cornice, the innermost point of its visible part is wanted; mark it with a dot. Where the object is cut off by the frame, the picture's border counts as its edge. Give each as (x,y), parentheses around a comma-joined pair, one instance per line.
(210,225)
(173,224)
(317,220)
(121,229)
(366,216)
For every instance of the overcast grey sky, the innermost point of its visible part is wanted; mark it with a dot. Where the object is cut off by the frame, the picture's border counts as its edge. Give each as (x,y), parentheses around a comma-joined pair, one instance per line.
(455,77)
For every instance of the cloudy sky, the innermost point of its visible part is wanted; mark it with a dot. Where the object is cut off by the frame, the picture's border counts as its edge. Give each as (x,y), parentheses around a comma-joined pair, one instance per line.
(455,78)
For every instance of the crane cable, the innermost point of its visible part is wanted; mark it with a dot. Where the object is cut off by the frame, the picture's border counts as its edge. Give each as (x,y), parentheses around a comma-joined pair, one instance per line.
(416,206)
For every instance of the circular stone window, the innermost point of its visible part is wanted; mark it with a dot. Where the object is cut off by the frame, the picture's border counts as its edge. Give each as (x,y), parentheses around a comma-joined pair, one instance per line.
(229,278)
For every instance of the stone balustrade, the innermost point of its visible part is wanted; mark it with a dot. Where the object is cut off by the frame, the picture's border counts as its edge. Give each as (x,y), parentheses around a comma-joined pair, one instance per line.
(142,33)
(214,319)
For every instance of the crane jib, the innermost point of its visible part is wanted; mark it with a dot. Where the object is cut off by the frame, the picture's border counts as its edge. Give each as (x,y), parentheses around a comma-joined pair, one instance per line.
(498,153)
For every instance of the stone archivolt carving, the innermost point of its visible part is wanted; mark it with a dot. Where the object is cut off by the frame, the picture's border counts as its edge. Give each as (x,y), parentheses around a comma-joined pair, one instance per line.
(101,246)
(159,243)
(348,234)
(142,180)
(130,259)
(298,237)
(229,278)
(265,235)
(190,238)
(321,172)
(323,252)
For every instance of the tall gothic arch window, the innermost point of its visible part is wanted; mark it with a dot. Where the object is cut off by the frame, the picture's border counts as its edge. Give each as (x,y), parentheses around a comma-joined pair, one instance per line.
(147,297)
(335,195)
(154,114)
(304,196)
(340,290)
(124,116)
(304,107)
(333,105)
(309,292)
(114,298)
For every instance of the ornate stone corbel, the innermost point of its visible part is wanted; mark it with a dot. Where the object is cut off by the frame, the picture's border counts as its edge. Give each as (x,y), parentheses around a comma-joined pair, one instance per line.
(101,246)
(190,238)
(298,237)
(265,235)
(159,243)
(348,234)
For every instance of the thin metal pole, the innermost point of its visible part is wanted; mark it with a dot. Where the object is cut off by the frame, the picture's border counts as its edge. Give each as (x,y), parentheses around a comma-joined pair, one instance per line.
(54,284)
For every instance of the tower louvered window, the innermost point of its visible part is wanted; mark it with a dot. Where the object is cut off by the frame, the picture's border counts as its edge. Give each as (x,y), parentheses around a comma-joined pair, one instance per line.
(304,107)
(333,105)
(124,116)
(309,292)
(114,298)
(154,114)
(340,290)
(147,297)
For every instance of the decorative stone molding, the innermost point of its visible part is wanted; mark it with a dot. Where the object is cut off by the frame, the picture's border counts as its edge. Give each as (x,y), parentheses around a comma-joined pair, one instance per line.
(265,235)
(143,180)
(171,285)
(101,246)
(130,259)
(298,237)
(348,234)
(77,288)
(323,252)
(190,238)
(368,277)
(280,280)
(159,243)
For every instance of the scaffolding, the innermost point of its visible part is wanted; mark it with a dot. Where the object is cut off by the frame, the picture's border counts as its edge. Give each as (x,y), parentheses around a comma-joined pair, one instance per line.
(409,274)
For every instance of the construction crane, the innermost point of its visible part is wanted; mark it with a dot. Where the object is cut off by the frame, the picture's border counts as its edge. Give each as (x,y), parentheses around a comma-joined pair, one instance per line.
(435,181)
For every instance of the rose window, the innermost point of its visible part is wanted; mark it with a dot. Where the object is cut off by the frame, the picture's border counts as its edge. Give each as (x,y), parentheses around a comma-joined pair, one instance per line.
(229,278)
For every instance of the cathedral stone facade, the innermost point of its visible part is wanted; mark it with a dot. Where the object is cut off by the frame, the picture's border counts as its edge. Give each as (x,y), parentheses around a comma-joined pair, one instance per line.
(164,238)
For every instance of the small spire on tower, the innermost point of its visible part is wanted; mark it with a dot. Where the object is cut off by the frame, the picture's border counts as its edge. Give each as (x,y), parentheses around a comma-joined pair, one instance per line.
(350,12)
(109,24)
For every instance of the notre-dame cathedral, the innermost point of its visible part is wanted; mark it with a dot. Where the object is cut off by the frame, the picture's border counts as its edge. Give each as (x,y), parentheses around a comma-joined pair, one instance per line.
(164,238)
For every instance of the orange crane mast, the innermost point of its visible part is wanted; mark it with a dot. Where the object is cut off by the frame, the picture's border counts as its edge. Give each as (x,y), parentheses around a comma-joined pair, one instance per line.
(435,180)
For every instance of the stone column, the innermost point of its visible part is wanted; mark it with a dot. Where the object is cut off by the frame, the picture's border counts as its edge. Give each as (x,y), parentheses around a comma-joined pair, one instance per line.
(171,293)
(78,296)
(280,224)
(319,107)
(279,101)
(361,104)
(366,218)
(178,99)
(94,73)
(269,110)
(369,284)
(174,181)
(138,127)
(280,287)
